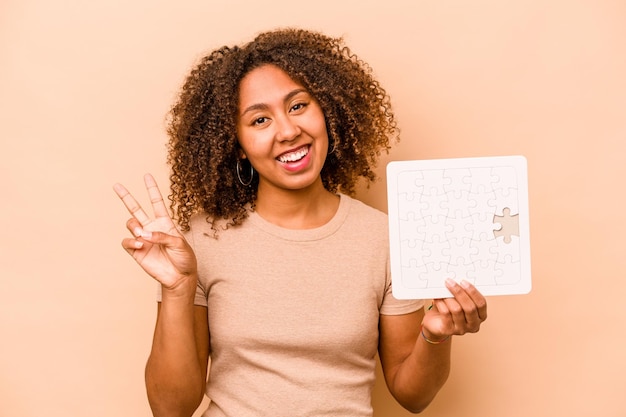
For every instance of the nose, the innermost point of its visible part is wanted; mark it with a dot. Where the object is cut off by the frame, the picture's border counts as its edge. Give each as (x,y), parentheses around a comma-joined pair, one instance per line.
(287,129)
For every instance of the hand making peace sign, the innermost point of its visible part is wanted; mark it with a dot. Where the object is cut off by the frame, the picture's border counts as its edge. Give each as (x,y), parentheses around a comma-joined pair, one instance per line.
(157,245)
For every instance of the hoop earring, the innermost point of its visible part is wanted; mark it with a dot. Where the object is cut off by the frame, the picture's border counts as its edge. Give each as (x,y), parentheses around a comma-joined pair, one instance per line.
(333,148)
(246,183)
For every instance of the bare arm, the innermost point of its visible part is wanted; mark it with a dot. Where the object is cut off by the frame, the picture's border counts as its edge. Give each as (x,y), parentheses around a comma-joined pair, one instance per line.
(414,369)
(177,366)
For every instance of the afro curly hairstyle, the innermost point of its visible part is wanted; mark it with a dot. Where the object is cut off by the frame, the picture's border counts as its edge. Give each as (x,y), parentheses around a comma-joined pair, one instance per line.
(203,149)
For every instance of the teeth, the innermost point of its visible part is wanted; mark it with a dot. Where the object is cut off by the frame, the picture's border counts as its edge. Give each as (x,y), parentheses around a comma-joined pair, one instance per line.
(294,156)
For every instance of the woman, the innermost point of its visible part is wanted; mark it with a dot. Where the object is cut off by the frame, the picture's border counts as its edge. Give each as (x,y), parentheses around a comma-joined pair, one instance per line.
(277,275)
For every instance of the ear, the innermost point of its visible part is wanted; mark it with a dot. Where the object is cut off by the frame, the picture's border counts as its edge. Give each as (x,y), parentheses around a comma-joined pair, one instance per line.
(240,153)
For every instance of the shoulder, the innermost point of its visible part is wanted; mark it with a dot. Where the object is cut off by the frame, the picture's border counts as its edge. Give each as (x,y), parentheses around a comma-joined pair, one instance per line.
(202,228)
(365,218)
(362,211)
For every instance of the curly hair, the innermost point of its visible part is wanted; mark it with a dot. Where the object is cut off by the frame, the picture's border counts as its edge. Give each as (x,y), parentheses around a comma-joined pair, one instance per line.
(203,147)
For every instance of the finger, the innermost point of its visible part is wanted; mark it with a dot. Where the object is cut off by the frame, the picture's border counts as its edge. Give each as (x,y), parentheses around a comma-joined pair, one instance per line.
(131,245)
(440,306)
(456,314)
(162,239)
(438,320)
(131,204)
(448,323)
(479,300)
(134,226)
(158,205)
(465,310)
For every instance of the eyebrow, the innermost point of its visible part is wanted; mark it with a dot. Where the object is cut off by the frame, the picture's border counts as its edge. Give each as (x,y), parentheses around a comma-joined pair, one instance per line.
(263,106)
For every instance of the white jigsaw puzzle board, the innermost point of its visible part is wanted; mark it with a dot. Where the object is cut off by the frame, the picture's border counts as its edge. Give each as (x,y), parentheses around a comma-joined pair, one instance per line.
(462,218)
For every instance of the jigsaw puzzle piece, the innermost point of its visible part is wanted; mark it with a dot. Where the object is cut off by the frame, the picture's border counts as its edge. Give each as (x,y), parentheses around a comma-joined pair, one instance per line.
(435,205)
(410,227)
(435,274)
(456,203)
(457,184)
(483,202)
(509,272)
(482,179)
(433,182)
(409,182)
(434,250)
(460,227)
(484,250)
(410,203)
(509,201)
(484,273)
(507,179)
(481,226)
(411,275)
(435,227)
(411,251)
(462,252)
(409,193)
(510,251)
(459,271)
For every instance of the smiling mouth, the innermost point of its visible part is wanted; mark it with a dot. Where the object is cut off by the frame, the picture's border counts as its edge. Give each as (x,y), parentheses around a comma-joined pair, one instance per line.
(294,156)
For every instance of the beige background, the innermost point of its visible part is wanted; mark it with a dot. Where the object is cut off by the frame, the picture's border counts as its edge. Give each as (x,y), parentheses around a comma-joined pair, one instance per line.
(85,85)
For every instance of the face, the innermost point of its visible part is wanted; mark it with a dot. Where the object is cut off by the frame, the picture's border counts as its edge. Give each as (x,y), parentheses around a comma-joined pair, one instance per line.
(281,130)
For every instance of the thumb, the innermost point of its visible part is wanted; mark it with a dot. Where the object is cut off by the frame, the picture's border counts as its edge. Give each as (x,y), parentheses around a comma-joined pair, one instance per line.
(161,238)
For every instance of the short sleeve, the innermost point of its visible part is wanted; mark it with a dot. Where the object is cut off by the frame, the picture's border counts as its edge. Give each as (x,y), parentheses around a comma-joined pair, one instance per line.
(391,306)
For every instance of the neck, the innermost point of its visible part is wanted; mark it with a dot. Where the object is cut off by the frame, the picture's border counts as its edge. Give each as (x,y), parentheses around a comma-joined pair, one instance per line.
(297,209)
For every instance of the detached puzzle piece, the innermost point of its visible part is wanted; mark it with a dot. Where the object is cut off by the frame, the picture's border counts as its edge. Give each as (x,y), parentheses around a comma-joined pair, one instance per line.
(464,218)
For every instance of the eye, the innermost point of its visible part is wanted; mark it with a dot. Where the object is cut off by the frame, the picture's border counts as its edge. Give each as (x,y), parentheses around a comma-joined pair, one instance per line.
(298,106)
(259,121)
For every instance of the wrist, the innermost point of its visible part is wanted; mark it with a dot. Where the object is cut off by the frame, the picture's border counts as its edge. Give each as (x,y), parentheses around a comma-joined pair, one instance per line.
(184,288)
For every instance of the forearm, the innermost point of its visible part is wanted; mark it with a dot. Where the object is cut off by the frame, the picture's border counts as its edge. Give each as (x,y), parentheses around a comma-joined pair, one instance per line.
(175,376)
(421,375)
(415,370)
